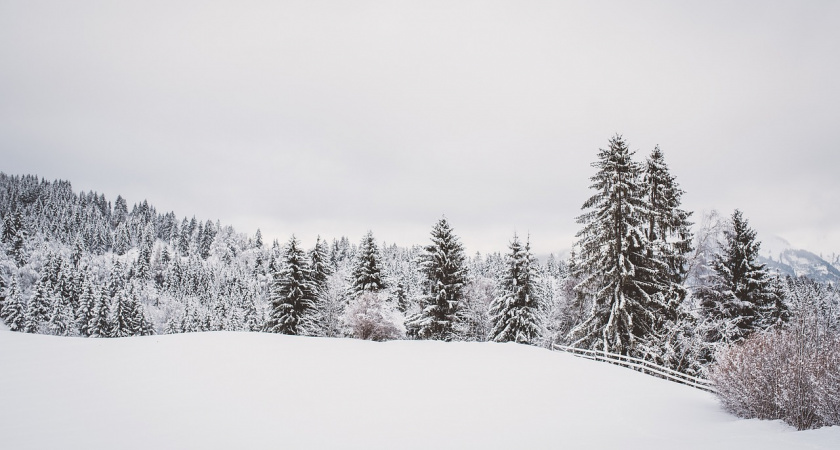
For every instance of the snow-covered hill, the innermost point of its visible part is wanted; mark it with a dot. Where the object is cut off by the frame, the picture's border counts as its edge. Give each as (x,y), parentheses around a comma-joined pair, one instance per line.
(236,390)
(780,257)
(799,263)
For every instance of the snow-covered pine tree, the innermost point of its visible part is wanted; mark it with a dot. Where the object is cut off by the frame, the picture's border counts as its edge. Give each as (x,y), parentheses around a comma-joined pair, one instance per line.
(142,325)
(668,227)
(144,257)
(183,244)
(60,321)
(120,211)
(290,294)
(615,265)
(122,240)
(14,235)
(4,290)
(515,311)
(205,239)
(320,268)
(739,295)
(87,306)
(326,306)
(100,316)
(116,279)
(258,241)
(13,309)
(38,308)
(78,251)
(669,238)
(123,322)
(367,270)
(445,275)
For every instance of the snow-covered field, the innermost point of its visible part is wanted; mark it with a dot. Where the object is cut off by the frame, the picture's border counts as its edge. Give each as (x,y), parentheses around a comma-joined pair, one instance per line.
(235,390)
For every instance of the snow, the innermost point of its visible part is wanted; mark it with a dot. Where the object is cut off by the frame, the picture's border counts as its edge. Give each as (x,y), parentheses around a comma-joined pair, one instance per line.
(251,390)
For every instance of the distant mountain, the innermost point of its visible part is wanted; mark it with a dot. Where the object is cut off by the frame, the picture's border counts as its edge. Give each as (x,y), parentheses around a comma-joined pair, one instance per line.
(779,257)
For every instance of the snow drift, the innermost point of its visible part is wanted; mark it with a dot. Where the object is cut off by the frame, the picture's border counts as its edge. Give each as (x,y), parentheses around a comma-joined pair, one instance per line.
(239,390)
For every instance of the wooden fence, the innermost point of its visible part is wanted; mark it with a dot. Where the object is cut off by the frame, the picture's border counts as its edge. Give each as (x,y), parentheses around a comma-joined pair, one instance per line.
(640,365)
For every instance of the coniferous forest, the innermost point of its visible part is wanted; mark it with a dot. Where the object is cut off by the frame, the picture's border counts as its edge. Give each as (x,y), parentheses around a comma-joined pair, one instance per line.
(645,279)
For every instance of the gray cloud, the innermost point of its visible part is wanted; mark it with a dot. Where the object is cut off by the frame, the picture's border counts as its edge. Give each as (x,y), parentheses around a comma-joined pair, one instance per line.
(334,118)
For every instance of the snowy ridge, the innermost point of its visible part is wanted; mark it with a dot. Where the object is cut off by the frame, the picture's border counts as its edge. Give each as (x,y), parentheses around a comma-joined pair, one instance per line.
(802,263)
(255,390)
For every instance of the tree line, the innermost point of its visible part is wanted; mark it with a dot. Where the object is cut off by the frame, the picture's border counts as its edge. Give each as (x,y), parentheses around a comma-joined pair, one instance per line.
(641,279)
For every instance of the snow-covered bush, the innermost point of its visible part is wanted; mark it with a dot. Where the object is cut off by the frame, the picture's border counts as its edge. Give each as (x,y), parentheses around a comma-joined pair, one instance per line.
(785,374)
(372,317)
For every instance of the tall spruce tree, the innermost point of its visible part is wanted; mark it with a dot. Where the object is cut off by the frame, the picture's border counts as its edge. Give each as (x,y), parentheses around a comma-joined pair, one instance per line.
(320,268)
(323,306)
(739,295)
(14,311)
(144,257)
(616,267)
(258,241)
(61,318)
(4,291)
(669,237)
(291,295)
(123,321)
(515,311)
(87,306)
(78,251)
(14,235)
(367,270)
(38,308)
(668,227)
(99,324)
(445,275)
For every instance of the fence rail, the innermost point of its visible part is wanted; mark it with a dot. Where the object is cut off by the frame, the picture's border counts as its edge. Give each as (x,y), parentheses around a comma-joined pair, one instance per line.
(640,365)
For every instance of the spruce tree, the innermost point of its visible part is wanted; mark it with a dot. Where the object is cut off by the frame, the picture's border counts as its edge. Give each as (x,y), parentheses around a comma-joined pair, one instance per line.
(142,325)
(323,307)
(120,211)
(60,322)
(739,296)
(320,268)
(38,309)
(183,243)
(258,242)
(144,258)
(99,324)
(515,311)
(14,235)
(87,307)
(669,238)
(122,240)
(4,290)
(205,240)
(616,268)
(78,251)
(367,270)
(13,309)
(124,320)
(668,227)
(290,295)
(443,268)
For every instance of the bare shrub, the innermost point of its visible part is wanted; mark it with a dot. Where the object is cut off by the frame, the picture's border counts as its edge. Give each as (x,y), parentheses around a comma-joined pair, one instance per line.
(785,374)
(371,316)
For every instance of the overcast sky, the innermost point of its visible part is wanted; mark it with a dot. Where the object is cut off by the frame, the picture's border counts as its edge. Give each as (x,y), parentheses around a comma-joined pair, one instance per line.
(333,118)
